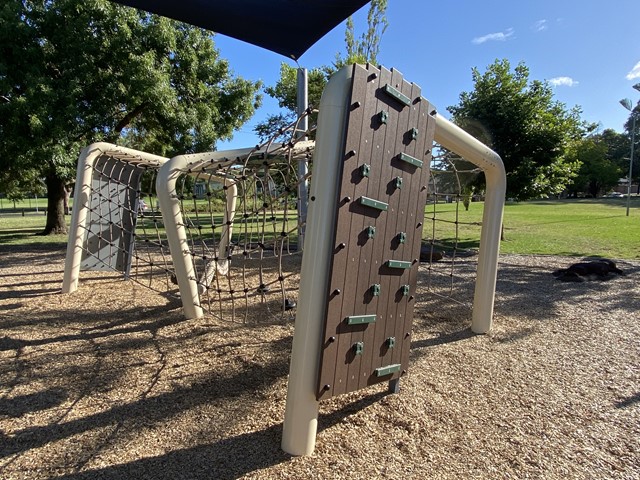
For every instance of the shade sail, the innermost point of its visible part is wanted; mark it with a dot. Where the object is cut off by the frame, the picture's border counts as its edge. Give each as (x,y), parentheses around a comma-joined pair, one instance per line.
(288,27)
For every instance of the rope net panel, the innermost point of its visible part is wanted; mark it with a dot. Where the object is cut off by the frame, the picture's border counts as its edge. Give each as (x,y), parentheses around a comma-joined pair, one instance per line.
(122,227)
(241,219)
(243,226)
(451,235)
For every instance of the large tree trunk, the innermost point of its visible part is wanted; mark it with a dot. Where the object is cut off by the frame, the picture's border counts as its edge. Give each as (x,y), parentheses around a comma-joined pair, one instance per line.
(67,196)
(55,206)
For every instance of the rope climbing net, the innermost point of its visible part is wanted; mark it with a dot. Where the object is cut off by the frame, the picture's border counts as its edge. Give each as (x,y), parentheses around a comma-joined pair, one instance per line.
(236,213)
(452,227)
(238,228)
(114,211)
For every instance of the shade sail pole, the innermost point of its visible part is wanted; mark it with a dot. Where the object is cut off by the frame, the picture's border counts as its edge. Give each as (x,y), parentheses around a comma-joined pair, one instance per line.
(303,166)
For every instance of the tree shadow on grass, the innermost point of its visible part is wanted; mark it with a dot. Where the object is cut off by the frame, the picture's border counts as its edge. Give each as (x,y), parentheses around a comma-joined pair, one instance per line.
(19,234)
(51,248)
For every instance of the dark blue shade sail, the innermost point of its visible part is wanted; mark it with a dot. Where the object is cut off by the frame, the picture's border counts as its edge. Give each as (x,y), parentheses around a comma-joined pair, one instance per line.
(288,27)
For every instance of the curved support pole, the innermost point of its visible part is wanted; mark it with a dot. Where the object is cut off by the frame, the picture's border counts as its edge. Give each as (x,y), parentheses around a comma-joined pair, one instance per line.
(457,140)
(221,266)
(82,201)
(301,414)
(177,235)
(77,231)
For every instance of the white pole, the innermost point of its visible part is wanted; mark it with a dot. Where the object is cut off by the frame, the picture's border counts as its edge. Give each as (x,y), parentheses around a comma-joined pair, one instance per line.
(177,235)
(458,141)
(303,167)
(301,414)
(77,231)
(82,203)
(633,141)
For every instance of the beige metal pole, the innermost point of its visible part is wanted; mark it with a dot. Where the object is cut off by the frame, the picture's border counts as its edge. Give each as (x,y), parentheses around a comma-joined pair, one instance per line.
(457,140)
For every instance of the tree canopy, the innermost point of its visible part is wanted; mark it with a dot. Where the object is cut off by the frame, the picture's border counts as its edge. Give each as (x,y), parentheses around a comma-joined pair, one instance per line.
(73,72)
(523,123)
(359,49)
(599,162)
(636,152)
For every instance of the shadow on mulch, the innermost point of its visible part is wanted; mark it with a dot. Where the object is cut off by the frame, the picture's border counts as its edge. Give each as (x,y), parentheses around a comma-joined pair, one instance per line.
(105,326)
(629,401)
(227,459)
(28,249)
(443,338)
(515,284)
(33,402)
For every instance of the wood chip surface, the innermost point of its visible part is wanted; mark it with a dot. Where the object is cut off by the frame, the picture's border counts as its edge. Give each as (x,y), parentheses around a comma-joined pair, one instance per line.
(111,382)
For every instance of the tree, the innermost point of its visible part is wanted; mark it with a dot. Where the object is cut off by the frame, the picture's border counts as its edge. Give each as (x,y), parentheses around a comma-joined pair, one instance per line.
(617,146)
(367,47)
(636,152)
(285,91)
(522,122)
(597,172)
(358,50)
(73,72)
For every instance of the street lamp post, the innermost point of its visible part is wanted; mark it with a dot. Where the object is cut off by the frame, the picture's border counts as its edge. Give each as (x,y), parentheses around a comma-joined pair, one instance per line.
(626,103)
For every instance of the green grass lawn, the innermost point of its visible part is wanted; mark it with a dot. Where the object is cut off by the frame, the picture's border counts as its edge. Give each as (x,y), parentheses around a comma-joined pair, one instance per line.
(583,227)
(20,230)
(564,227)
(579,227)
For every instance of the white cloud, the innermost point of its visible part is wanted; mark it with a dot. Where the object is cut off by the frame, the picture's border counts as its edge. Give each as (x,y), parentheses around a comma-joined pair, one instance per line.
(498,36)
(540,25)
(634,73)
(563,81)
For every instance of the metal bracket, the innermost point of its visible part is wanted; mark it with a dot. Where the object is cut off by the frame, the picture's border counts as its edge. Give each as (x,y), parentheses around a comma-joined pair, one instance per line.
(388,370)
(377,204)
(360,319)
(403,157)
(394,93)
(398,264)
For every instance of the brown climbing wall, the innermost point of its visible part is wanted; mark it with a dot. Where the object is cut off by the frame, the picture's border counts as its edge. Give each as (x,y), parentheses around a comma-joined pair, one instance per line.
(380,210)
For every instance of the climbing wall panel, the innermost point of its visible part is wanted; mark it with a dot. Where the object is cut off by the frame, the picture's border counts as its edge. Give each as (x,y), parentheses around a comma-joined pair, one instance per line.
(111,219)
(379,215)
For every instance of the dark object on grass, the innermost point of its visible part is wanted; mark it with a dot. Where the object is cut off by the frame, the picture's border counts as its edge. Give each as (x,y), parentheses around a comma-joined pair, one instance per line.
(430,254)
(264,288)
(600,269)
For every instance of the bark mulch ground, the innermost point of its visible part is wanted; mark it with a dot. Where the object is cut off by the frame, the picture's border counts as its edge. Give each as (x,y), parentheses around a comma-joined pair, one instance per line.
(111,382)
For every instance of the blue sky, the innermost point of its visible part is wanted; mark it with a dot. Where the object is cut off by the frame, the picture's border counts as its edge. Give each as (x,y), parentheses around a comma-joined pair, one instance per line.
(589,49)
